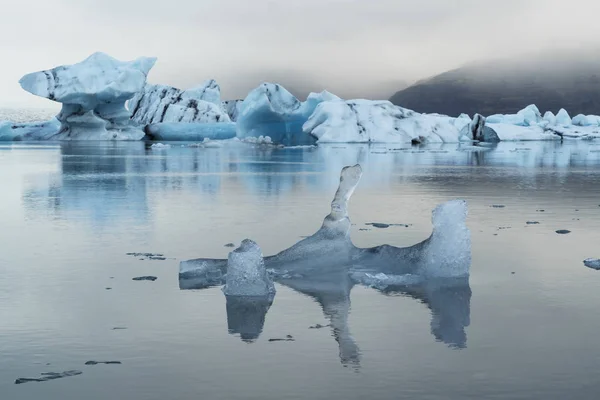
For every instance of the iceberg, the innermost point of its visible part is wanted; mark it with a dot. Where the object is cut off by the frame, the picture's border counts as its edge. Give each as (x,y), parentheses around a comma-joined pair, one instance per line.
(270,110)
(366,121)
(246,272)
(528,116)
(232,108)
(445,254)
(93,94)
(175,131)
(563,118)
(326,266)
(528,125)
(549,118)
(161,103)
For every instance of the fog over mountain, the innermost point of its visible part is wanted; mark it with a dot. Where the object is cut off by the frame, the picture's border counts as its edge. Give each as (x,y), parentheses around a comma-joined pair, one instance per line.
(552,80)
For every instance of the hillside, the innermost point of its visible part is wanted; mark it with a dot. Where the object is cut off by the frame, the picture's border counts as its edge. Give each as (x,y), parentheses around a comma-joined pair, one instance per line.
(552,81)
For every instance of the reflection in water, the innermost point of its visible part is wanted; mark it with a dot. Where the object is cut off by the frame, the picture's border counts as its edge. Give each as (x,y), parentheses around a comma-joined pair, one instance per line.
(326,265)
(246,315)
(450,303)
(107,181)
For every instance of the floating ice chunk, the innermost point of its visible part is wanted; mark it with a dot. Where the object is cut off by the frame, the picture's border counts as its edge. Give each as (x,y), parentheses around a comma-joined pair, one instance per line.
(270,110)
(510,132)
(447,253)
(529,116)
(246,272)
(258,140)
(563,118)
(161,103)
(365,121)
(180,131)
(585,120)
(160,146)
(550,118)
(93,93)
(593,263)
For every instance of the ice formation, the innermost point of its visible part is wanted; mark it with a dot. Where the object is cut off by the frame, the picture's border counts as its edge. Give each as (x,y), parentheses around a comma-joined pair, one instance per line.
(93,95)
(327,265)
(593,263)
(365,121)
(160,103)
(246,273)
(232,108)
(270,110)
(192,131)
(528,124)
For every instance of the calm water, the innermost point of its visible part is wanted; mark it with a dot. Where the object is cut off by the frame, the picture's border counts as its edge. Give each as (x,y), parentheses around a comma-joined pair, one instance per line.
(69,213)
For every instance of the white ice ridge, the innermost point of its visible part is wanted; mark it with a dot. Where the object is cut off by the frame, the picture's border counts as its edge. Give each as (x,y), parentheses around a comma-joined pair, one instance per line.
(246,272)
(93,94)
(529,124)
(366,121)
(161,103)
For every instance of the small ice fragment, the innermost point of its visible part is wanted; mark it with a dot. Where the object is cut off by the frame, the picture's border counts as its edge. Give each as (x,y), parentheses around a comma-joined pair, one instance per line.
(498,206)
(160,146)
(246,272)
(533,223)
(230,245)
(593,263)
(563,231)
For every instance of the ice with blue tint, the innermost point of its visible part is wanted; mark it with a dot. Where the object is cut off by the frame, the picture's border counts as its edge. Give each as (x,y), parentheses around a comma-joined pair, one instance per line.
(191,131)
(528,116)
(330,252)
(270,110)
(246,272)
(93,94)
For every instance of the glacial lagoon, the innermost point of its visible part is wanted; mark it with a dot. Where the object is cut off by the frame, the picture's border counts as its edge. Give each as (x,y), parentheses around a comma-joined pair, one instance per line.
(523,326)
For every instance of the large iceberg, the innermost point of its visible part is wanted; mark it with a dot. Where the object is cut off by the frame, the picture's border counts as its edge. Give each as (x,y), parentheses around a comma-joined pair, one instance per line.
(365,121)
(161,103)
(93,94)
(270,110)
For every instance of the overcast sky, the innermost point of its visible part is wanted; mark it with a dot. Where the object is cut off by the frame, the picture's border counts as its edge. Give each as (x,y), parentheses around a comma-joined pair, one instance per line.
(354,48)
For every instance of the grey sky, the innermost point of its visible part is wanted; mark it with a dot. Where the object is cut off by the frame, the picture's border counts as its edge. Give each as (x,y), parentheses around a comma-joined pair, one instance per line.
(350,47)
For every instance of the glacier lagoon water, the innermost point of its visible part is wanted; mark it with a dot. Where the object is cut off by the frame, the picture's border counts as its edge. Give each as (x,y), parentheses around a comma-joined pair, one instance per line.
(524,327)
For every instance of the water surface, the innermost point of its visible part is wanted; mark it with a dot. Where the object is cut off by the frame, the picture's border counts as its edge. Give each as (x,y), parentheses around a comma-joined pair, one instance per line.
(69,214)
